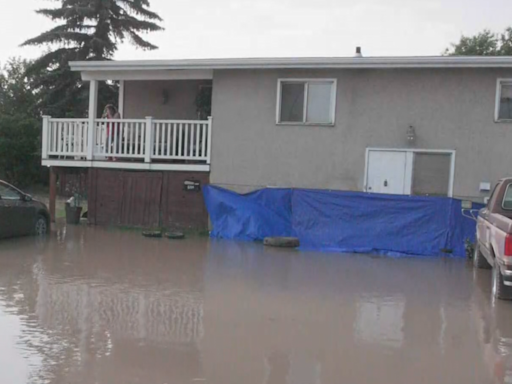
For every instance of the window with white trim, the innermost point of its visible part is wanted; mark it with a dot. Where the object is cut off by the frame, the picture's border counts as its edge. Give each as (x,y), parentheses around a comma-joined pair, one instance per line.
(306,101)
(504,100)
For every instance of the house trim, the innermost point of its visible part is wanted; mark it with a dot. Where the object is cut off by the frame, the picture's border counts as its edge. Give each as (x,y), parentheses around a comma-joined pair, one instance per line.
(410,152)
(145,74)
(127,165)
(121,98)
(296,62)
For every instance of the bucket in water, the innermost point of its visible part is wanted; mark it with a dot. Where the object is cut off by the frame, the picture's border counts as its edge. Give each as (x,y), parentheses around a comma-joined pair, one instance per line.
(73,214)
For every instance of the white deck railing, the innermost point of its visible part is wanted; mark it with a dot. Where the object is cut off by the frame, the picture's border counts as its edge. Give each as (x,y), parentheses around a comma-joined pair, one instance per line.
(66,137)
(144,139)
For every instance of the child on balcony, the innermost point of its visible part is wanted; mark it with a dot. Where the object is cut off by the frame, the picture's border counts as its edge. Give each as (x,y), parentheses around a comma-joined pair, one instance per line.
(112,139)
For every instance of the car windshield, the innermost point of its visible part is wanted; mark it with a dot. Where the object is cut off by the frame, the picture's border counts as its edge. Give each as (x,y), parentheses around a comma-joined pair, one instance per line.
(8,193)
(507,200)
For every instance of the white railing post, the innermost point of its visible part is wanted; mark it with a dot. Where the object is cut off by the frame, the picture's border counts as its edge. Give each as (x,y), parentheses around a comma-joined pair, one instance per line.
(45,137)
(149,140)
(93,110)
(120,103)
(209,154)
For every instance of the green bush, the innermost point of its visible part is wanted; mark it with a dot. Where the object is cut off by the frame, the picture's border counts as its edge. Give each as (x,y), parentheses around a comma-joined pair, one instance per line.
(20,155)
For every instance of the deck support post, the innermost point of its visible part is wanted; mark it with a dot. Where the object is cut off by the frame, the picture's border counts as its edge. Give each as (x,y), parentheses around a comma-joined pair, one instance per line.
(209,154)
(45,137)
(53,193)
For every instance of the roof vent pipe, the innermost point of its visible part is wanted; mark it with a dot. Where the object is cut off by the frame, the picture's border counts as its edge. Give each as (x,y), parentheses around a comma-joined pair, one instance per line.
(358,52)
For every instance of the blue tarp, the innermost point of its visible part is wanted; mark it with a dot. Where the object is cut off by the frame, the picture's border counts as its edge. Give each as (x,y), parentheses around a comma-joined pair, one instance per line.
(343,221)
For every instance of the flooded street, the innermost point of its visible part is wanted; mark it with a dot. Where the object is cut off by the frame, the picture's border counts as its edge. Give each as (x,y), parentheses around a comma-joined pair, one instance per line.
(97,306)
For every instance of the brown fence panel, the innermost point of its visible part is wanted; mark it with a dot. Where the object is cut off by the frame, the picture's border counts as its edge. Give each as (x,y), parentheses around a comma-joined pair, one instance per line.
(182,209)
(146,199)
(140,203)
(108,196)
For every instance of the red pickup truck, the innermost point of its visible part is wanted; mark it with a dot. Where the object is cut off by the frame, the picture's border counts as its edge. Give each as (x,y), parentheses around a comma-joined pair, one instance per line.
(493,247)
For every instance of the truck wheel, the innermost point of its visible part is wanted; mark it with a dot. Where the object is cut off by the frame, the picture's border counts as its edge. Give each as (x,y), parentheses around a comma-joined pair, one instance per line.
(479,260)
(500,290)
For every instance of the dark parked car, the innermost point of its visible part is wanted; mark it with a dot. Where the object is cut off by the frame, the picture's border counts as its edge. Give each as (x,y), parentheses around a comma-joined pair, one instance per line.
(21,215)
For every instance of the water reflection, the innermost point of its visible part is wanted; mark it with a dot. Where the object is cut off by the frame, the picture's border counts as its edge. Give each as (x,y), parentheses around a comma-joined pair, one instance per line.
(493,321)
(292,367)
(95,306)
(380,320)
(15,366)
(355,318)
(100,306)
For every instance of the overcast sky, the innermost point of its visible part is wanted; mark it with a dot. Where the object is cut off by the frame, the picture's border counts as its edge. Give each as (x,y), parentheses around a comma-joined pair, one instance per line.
(255,28)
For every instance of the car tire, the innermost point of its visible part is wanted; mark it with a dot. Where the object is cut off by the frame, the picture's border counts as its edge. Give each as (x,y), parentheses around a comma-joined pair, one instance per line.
(41,226)
(479,260)
(499,289)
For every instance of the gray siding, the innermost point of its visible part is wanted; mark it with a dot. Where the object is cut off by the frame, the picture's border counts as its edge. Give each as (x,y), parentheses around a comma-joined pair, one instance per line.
(145,98)
(449,108)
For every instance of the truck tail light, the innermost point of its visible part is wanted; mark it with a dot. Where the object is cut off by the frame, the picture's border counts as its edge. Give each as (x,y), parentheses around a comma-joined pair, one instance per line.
(508,246)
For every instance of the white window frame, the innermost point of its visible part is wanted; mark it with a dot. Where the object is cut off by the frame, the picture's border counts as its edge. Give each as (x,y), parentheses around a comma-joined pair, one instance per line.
(499,83)
(334,87)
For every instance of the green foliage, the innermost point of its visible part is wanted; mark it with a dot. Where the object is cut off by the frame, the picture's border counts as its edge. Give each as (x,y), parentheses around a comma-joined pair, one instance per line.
(485,43)
(19,126)
(16,95)
(19,146)
(85,30)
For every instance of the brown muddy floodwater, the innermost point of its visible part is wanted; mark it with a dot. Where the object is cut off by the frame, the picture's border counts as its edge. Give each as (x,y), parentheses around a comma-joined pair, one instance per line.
(94,306)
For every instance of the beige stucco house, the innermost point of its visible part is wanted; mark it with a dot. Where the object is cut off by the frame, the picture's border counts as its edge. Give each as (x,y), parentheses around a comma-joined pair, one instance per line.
(405,125)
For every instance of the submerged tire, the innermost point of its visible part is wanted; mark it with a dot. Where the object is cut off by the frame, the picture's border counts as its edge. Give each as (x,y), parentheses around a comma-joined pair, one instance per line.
(479,260)
(282,242)
(152,233)
(175,235)
(499,289)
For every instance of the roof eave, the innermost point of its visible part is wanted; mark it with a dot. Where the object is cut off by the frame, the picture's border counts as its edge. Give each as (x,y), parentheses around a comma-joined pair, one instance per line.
(298,63)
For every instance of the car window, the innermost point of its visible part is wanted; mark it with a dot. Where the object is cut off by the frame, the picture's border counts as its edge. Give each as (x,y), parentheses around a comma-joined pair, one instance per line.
(507,199)
(8,193)
(490,202)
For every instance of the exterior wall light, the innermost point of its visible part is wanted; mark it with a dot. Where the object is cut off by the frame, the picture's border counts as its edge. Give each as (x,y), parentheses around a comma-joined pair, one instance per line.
(411,135)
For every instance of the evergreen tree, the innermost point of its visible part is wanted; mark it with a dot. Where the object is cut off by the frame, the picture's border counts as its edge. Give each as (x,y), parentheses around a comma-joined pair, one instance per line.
(86,30)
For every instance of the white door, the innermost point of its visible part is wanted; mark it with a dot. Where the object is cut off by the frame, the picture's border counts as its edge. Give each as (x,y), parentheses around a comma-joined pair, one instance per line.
(386,172)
